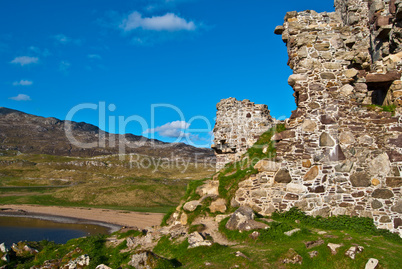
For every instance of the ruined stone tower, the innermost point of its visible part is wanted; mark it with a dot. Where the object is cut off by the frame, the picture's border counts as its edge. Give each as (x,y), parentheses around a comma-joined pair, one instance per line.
(342,153)
(238,126)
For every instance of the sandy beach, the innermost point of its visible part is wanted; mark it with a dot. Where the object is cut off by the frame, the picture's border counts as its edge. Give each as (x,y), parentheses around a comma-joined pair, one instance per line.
(116,217)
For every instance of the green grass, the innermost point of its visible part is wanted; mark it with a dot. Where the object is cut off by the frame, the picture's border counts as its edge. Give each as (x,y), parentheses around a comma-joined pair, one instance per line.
(389,108)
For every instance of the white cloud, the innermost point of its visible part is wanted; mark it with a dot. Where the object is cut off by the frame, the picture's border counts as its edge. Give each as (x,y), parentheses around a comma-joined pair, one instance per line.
(21,97)
(171,129)
(94,56)
(25,60)
(168,22)
(65,39)
(22,82)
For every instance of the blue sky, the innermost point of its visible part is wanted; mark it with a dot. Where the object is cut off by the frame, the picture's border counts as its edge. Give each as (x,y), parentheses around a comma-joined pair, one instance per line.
(128,56)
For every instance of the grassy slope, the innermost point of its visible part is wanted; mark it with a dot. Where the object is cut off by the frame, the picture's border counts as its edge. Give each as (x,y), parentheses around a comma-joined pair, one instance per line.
(53,180)
(268,250)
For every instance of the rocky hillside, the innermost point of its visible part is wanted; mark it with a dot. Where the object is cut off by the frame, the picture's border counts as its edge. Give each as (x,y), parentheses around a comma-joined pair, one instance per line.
(32,134)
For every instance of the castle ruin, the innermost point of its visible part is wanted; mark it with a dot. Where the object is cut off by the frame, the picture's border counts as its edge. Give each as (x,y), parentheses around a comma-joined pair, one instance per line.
(341,153)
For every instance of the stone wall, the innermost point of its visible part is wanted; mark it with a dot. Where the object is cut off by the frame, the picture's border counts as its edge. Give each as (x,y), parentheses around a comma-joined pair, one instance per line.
(341,154)
(238,126)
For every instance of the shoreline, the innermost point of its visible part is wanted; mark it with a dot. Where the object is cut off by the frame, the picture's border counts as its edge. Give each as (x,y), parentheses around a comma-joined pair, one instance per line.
(60,219)
(114,220)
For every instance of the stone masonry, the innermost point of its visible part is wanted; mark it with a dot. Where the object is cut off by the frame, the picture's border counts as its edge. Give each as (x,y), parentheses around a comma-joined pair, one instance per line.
(238,126)
(342,154)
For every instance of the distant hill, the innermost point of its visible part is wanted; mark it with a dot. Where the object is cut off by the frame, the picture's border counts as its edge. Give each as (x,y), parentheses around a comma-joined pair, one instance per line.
(38,135)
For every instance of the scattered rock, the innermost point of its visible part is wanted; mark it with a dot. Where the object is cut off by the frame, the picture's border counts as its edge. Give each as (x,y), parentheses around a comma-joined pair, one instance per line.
(5,258)
(254,235)
(371,264)
(209,188)
(313,253)
(196,240)
(3,248)
(79,262)
(144,260)
(239,254)
(292,257)
(291,232)
(191,206)
(241,215)
(102,266)
(218,206)
(334,247)
(313,244)
(351,252)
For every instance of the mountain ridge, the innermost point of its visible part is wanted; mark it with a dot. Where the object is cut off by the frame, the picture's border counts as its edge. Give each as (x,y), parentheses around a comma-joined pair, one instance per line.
(29,133)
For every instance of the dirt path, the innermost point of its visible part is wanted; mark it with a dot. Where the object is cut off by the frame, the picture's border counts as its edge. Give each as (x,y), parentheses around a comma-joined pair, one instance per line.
(122,218)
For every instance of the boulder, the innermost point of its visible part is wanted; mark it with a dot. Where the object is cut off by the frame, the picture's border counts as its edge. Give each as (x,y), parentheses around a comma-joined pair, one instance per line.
(313,253)
(80,262)
(333,247)
(241,215)
(252,225)
(5,258)
(209,188)
(218,206)
(195,239)
(291,232)
(313,244)
(145,260)
(371,264)
(102,266)
(191,206)
(292,257)
(3,248)
(351,252)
